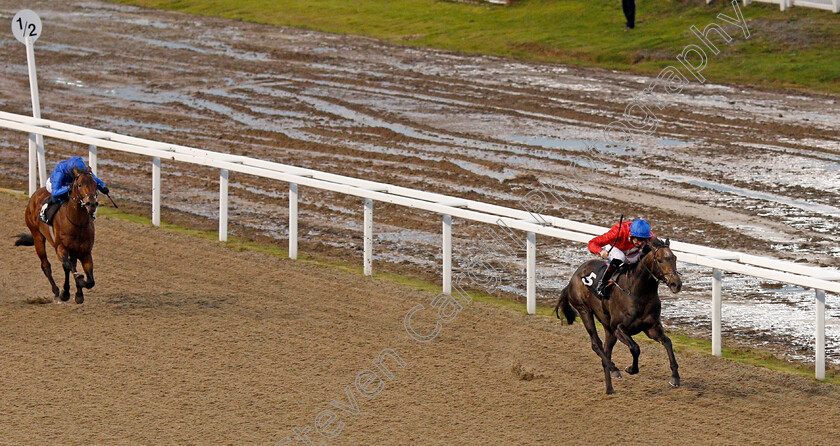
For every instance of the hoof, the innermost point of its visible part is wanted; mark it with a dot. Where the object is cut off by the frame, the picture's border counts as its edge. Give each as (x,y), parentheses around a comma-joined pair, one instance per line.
(65,296)
(674,382)
(630,370)
(615,374)
(610,391)
(80,299)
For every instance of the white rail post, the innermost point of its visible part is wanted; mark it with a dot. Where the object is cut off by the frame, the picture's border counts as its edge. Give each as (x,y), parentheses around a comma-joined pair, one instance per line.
(447,254)
(36,110)
(717,281)
(819,363)
(293,220)
(33,165)
(368,260)
(531,299)
(92,159)
(156,191)
(223,205)
(836,6)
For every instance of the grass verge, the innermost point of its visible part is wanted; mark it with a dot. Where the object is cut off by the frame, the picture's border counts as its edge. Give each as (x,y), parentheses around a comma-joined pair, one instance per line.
(681,341)
(796,48)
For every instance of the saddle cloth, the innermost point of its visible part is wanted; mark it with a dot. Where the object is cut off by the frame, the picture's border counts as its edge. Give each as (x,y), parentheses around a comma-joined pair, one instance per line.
(592,280)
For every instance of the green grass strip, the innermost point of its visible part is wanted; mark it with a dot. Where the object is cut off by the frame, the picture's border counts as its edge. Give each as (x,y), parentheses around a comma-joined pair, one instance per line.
(796,48)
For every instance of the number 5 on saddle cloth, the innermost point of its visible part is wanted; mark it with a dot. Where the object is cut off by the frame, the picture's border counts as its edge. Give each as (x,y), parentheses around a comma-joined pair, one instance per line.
(600,280)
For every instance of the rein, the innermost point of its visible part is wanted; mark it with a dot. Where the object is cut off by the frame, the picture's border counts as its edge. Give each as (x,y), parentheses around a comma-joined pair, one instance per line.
(649,271)
(81,203)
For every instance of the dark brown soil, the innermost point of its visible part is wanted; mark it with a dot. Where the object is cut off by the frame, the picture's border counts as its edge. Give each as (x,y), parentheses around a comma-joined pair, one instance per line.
(184,341)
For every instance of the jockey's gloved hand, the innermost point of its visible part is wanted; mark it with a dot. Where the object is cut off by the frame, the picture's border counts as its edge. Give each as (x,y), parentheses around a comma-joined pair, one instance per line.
(106,191)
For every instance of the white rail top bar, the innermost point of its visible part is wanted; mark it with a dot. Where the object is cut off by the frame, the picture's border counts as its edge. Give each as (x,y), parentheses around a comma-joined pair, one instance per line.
(762,267)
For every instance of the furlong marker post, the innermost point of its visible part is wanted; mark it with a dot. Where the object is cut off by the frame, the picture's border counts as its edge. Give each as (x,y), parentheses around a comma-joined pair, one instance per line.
(26,27)
(36,111)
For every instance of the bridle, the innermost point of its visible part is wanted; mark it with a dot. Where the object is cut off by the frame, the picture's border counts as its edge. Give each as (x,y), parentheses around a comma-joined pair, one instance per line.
(650,271)
(81,200)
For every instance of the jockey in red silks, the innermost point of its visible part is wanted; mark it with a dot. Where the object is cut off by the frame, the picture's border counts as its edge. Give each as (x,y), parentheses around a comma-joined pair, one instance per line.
(622,244)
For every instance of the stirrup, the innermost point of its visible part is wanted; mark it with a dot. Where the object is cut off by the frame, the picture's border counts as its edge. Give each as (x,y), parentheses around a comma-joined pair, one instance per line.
(601,291)
(43,214)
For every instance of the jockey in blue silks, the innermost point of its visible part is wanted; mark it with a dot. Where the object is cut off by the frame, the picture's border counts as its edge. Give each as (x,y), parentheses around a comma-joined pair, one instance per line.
(59,185)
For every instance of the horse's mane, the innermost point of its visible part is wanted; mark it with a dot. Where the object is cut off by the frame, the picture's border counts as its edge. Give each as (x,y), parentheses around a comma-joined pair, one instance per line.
(655,242)
(77,172)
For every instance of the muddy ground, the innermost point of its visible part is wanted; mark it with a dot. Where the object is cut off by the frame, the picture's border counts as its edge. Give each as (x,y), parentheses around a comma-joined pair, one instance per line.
(728,166)
(208,345)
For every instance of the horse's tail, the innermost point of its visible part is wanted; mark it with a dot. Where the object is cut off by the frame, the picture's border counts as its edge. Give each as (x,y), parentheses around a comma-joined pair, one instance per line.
(568,311)
(24,240)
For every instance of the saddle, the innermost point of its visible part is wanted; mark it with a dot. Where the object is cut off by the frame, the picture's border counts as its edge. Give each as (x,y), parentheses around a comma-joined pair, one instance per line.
(594,278)
(49,209)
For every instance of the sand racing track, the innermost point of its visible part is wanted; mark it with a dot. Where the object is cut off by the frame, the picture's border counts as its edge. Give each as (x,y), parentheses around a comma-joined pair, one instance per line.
(184,341)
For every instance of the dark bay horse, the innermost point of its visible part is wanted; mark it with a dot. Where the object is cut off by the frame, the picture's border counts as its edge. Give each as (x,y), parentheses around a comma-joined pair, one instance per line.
(631,306)
(74,233)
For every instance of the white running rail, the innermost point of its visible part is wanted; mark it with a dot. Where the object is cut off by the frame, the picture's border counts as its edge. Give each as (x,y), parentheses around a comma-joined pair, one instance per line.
(829,5)
(820,279)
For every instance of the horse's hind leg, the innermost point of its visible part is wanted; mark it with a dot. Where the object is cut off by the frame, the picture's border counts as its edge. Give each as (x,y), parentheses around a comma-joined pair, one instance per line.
(589,323)
(609,343)
(41,250)
(634,349)
(658,334)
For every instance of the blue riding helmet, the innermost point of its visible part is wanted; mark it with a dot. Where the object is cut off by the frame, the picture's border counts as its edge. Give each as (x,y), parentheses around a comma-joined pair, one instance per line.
(641,229)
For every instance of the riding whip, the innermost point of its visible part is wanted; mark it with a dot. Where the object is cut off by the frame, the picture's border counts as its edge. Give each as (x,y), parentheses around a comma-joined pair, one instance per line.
(620,221)
(112,200)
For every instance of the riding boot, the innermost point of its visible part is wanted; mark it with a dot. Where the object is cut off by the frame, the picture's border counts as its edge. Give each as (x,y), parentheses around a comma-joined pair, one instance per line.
(612,267)
(47,203)
(50,208)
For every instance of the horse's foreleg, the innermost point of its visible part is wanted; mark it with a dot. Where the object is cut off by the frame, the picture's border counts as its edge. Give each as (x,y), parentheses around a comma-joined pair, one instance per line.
(609,343)
(41,250)
(658,334)
(597,347)
(81,282)
(87,265)
(634,349)
(67,264)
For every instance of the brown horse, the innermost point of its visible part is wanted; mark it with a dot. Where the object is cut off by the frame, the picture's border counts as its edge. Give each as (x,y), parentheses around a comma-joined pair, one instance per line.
(630,307)
(74,233)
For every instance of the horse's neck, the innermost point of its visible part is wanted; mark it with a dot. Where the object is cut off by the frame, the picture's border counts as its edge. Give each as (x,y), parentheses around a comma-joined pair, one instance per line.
(643,281)
(76,212)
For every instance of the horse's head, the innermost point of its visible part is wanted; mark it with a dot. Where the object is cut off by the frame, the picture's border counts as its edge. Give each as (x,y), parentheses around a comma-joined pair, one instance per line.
(663,263)
(83,191)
